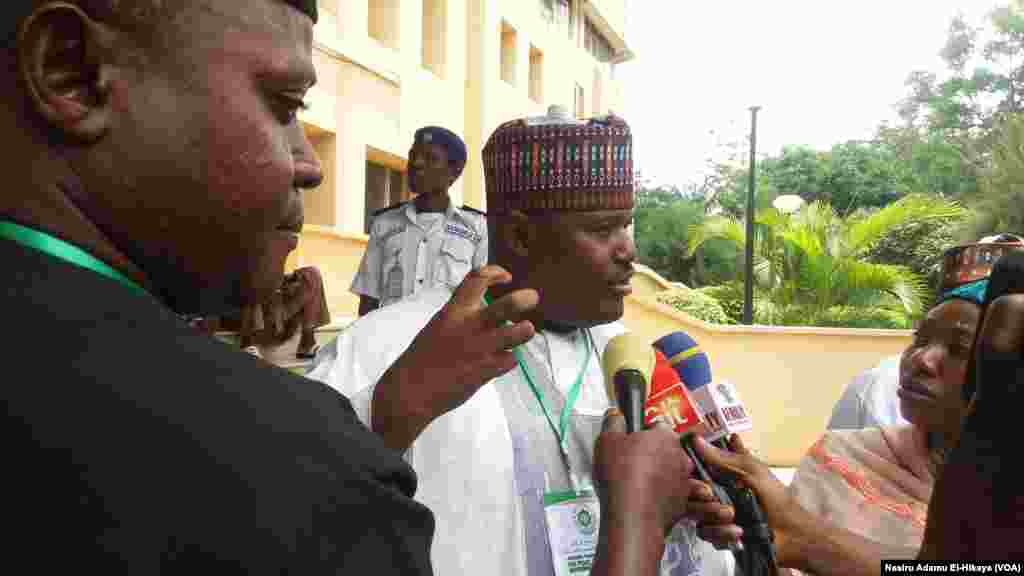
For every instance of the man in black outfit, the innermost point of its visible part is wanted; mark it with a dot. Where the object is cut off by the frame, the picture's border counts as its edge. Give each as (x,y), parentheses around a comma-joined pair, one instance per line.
(154,171)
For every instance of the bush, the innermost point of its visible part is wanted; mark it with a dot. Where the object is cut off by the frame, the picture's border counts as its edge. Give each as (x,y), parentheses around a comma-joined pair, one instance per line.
(769,314)
(723,304)
(730,297)
(697,304)
(850,317)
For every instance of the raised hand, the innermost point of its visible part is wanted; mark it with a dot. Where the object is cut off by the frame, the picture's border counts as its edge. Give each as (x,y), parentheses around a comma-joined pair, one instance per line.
(464,346)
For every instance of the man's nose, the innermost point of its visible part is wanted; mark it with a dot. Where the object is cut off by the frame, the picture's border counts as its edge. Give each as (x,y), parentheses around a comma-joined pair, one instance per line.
(308,171)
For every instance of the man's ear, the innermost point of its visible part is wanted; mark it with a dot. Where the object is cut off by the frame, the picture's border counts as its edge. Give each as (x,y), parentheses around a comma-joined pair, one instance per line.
(63,63)
(518,234)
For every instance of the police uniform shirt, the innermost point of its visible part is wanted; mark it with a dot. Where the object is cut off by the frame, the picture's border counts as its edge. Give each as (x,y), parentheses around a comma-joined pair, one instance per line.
(409,250)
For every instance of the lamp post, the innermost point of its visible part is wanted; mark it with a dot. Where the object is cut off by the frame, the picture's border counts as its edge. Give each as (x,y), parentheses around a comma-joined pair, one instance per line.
(748,276)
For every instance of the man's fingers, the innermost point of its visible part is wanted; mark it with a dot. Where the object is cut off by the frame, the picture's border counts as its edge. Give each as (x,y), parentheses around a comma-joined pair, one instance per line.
(741,464)
(508,337)
(512,307)
(473,287)
(700,491)
(710,513)
(500,364)
(614,421)
(720,536)
(738,446)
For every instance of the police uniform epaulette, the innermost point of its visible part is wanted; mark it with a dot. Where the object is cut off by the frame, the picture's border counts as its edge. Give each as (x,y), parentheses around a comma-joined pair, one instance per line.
(389,208)
(473,210)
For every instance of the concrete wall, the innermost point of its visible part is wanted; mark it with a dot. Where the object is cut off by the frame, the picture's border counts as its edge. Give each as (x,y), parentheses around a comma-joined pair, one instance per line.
(789,378)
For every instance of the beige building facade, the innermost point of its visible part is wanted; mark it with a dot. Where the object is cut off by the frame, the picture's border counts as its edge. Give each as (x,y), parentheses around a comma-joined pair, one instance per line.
(388,67)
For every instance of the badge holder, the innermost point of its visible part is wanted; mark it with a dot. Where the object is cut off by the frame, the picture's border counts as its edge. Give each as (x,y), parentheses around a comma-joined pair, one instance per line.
(573,518)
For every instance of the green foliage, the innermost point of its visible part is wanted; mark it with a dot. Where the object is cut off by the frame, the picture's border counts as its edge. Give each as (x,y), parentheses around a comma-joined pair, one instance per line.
(767,313)
(1001,208)
(697,304)
(813,262)
(968,105)
(850,176)
(661,218)
(935,165)
(730,296)
(919,246)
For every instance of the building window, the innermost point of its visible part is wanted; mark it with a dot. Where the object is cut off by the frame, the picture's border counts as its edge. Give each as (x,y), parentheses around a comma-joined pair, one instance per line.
(578,102)
(435,19)
(385,187)
(536,75)
(509,41)
(595,43)
(383,22)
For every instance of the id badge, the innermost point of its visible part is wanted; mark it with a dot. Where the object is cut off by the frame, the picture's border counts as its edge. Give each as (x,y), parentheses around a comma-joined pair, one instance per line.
(573,518)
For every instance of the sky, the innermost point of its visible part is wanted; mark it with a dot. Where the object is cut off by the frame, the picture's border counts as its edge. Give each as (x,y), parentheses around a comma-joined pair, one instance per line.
(823,71)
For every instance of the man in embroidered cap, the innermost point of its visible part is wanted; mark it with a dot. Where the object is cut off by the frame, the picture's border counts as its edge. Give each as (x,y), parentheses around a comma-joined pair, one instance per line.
(427,242)
(159,168)
(560,200)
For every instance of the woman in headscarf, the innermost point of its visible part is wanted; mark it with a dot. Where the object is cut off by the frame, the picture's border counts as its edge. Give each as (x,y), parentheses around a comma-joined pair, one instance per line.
(877,482)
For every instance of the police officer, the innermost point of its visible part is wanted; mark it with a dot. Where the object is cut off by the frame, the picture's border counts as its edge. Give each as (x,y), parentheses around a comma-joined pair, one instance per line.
(428,241)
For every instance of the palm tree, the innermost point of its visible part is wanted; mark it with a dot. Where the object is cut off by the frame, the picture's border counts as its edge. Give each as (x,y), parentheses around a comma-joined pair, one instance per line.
(812,263)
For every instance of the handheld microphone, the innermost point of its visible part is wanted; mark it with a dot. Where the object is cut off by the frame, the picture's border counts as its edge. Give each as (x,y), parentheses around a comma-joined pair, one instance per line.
(719,404)
(628,363)
(724,414)
(669,398)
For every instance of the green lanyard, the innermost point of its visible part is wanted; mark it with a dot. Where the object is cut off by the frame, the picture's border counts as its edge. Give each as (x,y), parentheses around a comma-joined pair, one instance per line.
(570,401)
(61,250)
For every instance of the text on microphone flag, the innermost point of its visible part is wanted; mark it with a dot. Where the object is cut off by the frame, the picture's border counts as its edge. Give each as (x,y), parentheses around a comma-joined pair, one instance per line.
(668,398)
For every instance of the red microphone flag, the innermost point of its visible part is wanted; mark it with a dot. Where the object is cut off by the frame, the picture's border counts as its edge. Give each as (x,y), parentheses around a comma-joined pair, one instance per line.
(669,398)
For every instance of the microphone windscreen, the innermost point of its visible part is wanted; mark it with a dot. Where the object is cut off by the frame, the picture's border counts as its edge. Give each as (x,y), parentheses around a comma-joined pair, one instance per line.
(687,358)
(623,352)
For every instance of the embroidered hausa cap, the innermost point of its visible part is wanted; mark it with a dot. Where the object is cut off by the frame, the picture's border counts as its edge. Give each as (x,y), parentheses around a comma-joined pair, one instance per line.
(557,162)
(964,268)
